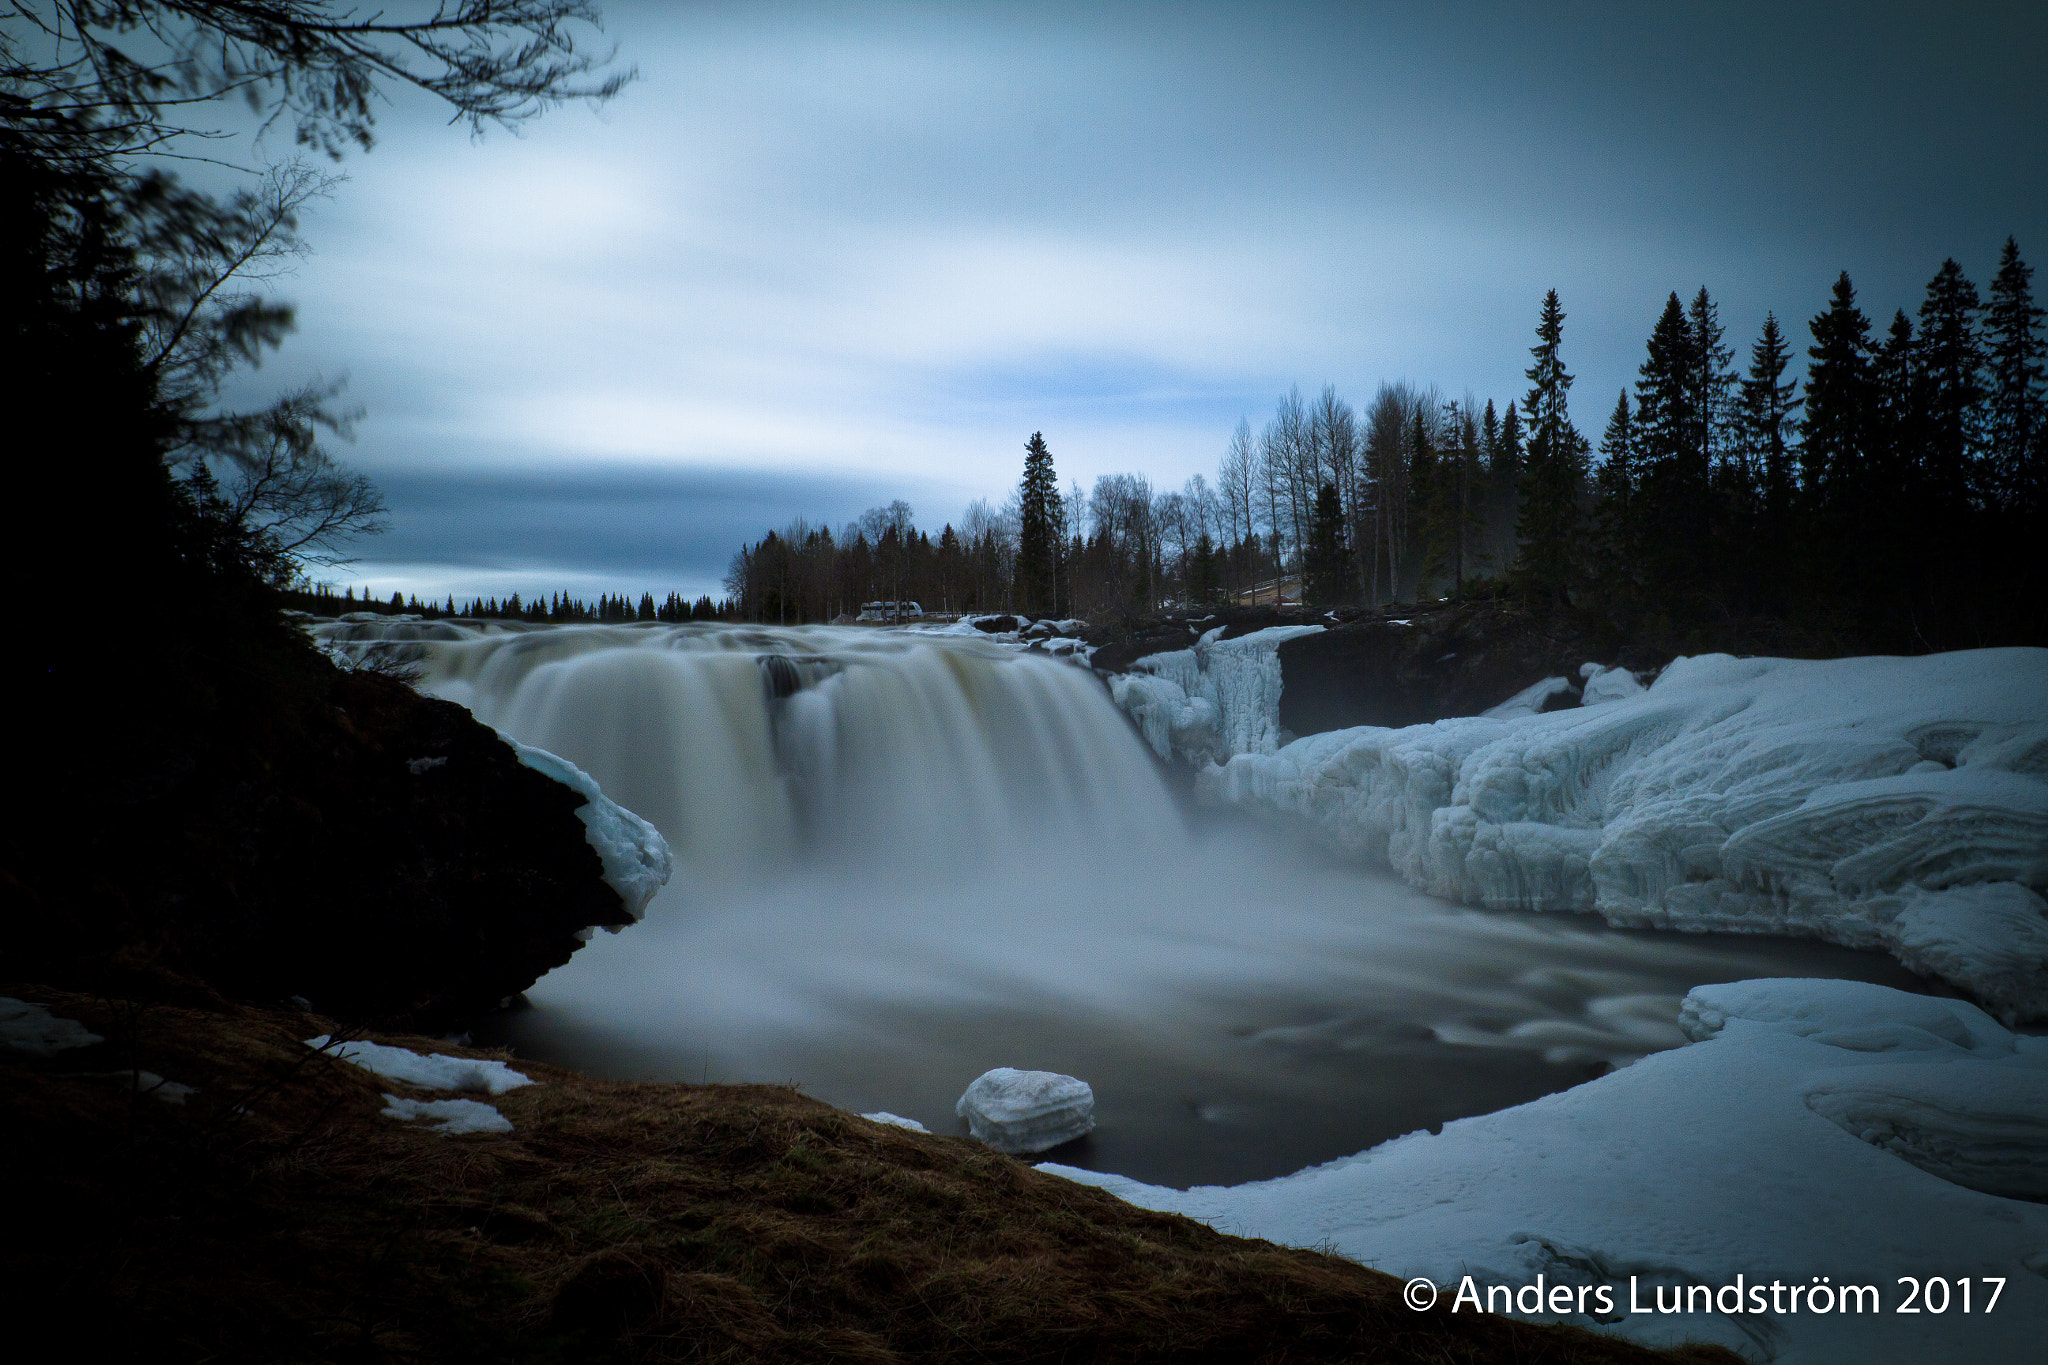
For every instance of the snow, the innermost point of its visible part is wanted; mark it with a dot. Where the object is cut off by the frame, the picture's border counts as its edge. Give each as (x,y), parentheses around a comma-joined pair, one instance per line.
(148,1083)
(448,1117)
(1818,1128)
(1205,703)
(1606,684)
(635,857)
(1881,803)
(1027,1111)
(428,1071)
(30,1028)
(896,1121)
(1529,701)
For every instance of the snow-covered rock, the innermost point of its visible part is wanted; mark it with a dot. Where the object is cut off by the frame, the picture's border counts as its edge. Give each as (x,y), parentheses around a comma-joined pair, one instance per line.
(635,857)
(1820,1129)
(1885,803)
(428,1071)
(1027,1111)
(448,1117)
(30,1028)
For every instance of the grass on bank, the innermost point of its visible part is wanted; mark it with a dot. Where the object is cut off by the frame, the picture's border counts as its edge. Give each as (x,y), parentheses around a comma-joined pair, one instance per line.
(275,1215)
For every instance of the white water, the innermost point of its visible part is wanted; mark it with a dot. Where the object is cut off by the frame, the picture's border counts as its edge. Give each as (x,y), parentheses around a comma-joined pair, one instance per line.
(903,860)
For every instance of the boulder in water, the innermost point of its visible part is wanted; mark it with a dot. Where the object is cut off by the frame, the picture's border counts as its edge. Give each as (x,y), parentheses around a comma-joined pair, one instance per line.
(1021,1112)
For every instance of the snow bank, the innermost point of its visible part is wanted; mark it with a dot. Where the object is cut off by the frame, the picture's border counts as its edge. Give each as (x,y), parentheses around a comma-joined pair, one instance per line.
(1027,1111)
(635,856)
(1819,1129)
(896,1121)
(30,1028)
(1219,698)
(448,1117)
(1880,803)
(428,1071)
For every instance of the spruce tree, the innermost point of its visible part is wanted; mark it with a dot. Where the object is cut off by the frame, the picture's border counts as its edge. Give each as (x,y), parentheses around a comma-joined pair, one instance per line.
(1327,570)
(1831,435)
(1552,469)
(1952,388)
(2016,429)
(1038,531)
(1504,487)
(1615,550)
(1710,383)
(1768,403)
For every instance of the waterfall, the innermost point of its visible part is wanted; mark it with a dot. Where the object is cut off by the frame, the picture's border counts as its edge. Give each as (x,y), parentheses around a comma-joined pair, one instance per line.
(751,748)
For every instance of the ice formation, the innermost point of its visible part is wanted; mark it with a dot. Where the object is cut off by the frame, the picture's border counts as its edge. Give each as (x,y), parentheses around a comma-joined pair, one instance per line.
(428,1071)
(1027,1111)
(448,1117)
(1206,703)
(1883,803)
(1529,701)
(635,857)
(1818,1128)
(26,1027)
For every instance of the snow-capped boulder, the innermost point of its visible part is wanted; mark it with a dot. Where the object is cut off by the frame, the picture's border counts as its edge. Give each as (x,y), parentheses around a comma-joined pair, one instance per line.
(636,858)
(1027,1111)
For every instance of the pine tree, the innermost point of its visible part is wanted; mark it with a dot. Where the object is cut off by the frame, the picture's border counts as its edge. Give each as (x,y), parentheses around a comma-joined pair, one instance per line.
(1038,531)
(2016,426)
(1832,433)
(1552,469)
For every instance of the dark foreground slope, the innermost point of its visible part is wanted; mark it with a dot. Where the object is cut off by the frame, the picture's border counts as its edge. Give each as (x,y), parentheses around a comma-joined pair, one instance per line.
(275,1215)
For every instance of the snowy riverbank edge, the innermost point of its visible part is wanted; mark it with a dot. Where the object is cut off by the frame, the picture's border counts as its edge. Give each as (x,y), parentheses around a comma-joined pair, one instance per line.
(1898,804)
(1817,1131)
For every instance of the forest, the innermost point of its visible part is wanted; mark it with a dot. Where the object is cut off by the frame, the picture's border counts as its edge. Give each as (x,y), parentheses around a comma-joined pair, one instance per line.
(1894,489)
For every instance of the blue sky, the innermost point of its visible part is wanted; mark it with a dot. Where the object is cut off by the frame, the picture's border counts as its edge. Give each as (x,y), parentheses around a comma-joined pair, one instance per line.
(820,256)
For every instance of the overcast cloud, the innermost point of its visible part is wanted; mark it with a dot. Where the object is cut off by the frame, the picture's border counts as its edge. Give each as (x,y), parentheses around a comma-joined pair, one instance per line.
(820,256)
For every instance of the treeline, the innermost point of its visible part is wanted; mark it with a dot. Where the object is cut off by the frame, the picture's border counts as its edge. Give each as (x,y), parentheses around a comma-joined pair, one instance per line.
(557,608)
(1895,489)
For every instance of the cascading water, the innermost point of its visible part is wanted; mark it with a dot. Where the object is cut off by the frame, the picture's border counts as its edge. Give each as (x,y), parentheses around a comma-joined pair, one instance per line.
(753,749)
(905,858)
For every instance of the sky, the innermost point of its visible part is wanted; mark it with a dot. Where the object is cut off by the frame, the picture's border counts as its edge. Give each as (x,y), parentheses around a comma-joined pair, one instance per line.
(821,256)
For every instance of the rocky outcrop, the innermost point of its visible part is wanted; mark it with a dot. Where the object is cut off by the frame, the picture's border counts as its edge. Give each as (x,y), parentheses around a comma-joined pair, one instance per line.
(378,853)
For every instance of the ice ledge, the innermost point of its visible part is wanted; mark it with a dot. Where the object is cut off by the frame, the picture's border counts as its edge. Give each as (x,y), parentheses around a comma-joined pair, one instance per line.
(1881,803)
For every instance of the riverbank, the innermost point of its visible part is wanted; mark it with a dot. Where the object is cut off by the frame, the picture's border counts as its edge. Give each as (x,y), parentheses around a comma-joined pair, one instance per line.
(275,1212)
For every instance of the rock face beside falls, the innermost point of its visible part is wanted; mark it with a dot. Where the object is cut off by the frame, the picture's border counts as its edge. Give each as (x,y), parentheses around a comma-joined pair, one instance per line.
(376,852)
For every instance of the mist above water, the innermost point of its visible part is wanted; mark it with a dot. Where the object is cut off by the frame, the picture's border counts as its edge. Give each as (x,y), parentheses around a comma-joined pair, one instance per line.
(904,859)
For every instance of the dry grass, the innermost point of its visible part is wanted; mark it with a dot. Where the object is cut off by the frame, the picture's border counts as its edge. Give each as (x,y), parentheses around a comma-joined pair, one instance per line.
(277,1216)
